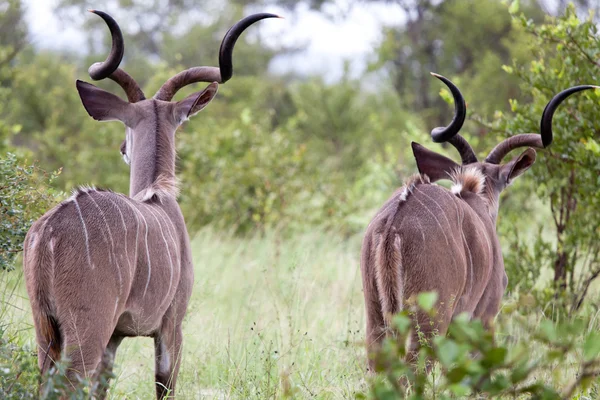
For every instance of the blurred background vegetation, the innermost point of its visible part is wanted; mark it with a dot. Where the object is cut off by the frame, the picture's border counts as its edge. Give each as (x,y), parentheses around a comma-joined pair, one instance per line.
(286,154)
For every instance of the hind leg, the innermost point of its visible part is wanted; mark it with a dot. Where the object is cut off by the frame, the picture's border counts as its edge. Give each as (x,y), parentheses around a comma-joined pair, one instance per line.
(85,339)
(104,370)
(167,350)
(424,329)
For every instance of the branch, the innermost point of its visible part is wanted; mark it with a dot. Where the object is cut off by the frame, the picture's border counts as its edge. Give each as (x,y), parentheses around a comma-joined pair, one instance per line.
(582,51)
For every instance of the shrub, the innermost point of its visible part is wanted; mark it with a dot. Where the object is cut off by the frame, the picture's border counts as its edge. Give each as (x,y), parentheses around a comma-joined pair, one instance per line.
(24,196)
(470,362)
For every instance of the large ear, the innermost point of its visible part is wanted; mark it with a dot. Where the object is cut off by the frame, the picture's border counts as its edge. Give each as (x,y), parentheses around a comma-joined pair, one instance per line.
(432,164)
(517,165)
(195,102)
(104,106)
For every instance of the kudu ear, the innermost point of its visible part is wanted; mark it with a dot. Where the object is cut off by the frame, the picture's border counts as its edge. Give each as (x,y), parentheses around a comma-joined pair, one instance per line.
(195,102)
(432,164)
(517,165)
(104,106)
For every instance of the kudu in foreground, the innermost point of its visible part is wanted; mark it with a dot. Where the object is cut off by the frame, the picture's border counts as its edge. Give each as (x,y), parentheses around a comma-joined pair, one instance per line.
(429,238)
(102,266)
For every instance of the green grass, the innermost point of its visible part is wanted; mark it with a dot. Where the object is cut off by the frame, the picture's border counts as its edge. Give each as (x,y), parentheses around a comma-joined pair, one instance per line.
(268,318)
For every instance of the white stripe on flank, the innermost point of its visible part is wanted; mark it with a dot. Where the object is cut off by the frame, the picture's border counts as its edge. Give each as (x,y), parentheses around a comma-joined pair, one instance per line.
(461,219)
(137,227)
(125,228)
(138,212)
(85,232)
(434,217)
(151,211)
(115,310)
(112,244)
(487,239)
(421,229)
(32,241)
(173,234)
(443,213)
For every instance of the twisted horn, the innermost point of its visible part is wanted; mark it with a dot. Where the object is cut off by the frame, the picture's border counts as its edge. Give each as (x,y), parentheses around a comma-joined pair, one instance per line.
(532,139)
(110,67)
(211,74)
(450,133)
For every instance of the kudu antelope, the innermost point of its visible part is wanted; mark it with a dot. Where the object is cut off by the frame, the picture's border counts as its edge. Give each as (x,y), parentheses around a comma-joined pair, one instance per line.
(102,266)
(429,238)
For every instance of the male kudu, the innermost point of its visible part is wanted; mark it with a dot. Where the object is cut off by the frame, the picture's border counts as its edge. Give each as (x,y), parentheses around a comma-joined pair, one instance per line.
(429,238)
(102,266)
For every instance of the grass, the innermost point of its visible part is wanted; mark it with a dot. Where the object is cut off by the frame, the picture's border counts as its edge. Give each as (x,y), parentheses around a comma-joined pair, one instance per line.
(268,318)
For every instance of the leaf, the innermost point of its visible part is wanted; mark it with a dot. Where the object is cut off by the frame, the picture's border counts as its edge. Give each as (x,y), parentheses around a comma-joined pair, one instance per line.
(519,373)
(455,375)
(402,323)
(514,7)
(592,146)
(448,351)
(548,331)
(591,347)
(494,357)
(426,300)
(460,390)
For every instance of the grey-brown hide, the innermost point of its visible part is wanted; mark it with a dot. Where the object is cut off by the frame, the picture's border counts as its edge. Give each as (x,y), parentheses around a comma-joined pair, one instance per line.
(429,238)
(102,266)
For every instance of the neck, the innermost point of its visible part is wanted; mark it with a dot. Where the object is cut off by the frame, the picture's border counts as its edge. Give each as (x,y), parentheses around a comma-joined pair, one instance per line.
(144,178)
(153,170)
(153,155)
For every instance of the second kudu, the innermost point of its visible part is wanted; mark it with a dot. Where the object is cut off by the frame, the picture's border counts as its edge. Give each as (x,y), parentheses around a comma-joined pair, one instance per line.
(429,238)
(102,266)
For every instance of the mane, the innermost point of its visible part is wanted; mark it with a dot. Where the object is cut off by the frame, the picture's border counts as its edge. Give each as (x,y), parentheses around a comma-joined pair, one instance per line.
(410,183)
(83,189)
(467,179)
(163,187)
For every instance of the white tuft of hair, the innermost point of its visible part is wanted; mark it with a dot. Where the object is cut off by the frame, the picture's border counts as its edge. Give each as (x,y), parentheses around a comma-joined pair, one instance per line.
(410,184)
(467,179)
(163,187)
(456,188)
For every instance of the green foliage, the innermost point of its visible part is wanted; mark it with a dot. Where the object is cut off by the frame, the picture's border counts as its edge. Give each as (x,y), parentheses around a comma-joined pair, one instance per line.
(24,196)
(469,361)
(52,121)
(435,38)
(277,158)
(565,51)
(19,372)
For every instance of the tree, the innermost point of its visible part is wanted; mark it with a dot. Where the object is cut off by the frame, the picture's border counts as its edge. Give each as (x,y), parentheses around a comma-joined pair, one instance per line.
(446,37)
(566,51)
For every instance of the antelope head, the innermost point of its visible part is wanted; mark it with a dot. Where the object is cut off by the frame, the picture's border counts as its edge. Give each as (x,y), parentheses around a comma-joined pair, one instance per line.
(151,123)
(490,176)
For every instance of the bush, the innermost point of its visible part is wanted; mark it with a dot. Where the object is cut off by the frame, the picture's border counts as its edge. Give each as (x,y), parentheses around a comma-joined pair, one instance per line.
(566,174)
(24,196)
(19,372)
(470,362)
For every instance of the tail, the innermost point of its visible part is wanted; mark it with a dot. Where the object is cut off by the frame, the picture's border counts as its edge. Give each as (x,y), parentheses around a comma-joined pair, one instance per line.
(388,273)
(38,265)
